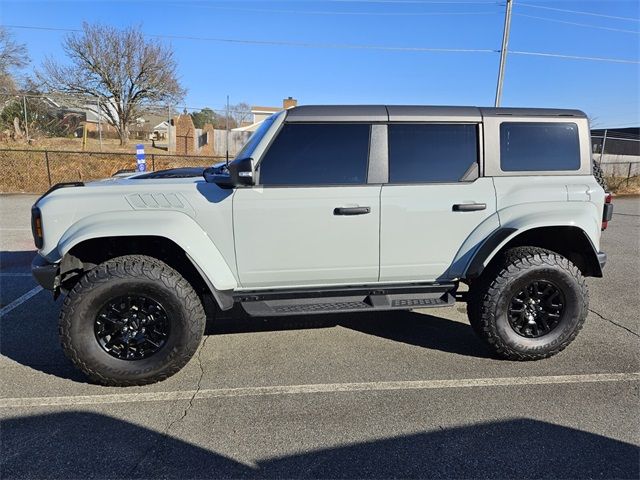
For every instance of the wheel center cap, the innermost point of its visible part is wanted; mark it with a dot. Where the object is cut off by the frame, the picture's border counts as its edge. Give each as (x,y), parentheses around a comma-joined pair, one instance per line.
(122,328)
(536,309)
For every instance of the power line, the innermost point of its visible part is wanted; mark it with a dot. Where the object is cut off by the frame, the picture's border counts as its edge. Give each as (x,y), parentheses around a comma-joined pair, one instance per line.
(286,43)
(416,2)
(83,101)
(577,24)
(579,12)
(322,12)
(576,57)
(428,2)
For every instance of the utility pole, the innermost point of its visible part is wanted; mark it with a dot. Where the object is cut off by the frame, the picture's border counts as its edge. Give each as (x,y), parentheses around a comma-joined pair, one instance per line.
(169,128)
(26,123)
(604,144)
(227,122)
(99,122)
(503,51)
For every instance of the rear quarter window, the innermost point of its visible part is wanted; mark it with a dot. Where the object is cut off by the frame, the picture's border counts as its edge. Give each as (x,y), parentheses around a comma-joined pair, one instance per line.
(539,146)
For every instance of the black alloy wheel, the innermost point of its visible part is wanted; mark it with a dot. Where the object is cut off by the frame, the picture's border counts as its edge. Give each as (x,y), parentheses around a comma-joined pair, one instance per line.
(536,309)
(132,327)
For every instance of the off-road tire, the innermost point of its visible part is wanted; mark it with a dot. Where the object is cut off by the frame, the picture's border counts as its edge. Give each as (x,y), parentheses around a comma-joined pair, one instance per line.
(491,294)
(599,175)
(124,275)
(477,289)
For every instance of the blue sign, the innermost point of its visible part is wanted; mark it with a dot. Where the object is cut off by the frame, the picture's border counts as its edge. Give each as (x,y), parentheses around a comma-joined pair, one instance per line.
(140,158)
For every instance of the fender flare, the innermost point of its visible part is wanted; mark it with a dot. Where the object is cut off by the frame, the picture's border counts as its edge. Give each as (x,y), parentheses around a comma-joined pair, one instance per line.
(175,226)
(519,219)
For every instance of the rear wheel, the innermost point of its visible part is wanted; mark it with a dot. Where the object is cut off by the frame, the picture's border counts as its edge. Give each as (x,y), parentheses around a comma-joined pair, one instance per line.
(132,320)
(530,305)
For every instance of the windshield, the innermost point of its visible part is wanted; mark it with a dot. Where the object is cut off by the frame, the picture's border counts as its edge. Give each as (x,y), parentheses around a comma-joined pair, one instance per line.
(254,139)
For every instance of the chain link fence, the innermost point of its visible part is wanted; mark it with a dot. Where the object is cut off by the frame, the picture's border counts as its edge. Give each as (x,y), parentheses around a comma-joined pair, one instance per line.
(34,171)
(617,151)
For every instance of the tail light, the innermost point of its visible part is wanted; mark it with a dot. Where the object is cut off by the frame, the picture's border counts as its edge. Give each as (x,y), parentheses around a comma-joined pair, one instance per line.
(36,227)
(607,212)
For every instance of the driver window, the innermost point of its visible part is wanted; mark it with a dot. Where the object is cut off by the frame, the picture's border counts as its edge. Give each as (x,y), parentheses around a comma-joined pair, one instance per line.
(317,154)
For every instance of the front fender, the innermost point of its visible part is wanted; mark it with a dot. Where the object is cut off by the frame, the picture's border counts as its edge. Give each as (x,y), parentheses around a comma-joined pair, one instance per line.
(175,226)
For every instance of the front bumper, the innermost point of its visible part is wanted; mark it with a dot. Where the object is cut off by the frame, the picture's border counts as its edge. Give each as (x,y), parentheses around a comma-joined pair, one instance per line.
(45,273)
(602,259)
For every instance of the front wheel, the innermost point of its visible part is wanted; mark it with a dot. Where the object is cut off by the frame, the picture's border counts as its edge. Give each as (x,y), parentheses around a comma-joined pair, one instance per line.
(530,306)
(132,320)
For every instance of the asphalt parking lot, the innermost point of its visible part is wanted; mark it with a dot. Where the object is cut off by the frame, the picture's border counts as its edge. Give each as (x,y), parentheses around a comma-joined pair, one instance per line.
(411,394)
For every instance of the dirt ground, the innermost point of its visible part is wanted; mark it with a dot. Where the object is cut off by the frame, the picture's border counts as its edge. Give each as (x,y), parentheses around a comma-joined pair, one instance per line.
(622,186)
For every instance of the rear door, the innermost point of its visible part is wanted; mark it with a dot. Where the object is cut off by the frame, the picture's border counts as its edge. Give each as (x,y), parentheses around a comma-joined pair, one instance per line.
(434,198)
(312,219)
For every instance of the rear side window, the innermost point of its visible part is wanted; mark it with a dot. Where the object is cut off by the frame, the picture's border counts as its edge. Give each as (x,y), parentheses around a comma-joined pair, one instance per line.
(317,154)
(539,146)
(432,153)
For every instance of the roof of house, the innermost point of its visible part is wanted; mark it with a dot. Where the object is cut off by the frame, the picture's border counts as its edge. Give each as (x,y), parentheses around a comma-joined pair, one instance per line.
(163,125)
(248,128)
(632,133)
(258,109)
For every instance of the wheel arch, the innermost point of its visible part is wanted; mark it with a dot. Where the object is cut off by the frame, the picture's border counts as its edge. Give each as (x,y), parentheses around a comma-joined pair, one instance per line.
(570,241)
(88,253)
(173,238)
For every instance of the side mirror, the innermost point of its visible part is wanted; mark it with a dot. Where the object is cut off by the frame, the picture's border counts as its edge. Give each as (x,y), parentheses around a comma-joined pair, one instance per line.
(237,173)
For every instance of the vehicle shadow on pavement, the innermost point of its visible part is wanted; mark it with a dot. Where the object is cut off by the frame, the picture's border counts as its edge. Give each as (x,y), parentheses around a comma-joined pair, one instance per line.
(19,261)
(418,329)
(29,333)
(78,444)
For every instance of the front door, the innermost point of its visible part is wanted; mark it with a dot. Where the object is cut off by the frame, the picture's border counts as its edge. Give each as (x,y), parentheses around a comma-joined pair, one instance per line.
(312,220)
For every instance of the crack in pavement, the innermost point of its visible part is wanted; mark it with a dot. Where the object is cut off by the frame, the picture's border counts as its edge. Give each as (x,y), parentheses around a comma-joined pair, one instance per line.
(165,434)
(615,323)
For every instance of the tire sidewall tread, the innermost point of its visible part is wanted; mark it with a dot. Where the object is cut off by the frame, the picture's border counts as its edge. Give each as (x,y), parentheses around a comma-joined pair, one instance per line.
(488,303)
(80,346)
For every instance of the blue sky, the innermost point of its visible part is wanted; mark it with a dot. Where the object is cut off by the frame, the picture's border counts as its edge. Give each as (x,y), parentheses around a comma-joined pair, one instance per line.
(258,74)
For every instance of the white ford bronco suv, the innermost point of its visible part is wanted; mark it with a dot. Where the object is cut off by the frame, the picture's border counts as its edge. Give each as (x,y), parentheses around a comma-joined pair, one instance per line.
(333,209)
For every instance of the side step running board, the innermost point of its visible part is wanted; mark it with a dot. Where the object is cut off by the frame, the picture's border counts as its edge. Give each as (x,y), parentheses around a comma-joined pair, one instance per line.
(437,297)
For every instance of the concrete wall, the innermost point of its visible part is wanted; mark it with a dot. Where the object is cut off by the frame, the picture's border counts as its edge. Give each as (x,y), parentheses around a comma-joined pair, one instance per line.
(619,165)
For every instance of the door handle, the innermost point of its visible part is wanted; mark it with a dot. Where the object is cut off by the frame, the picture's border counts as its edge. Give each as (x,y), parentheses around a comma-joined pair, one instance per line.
(469,207)
(351,210)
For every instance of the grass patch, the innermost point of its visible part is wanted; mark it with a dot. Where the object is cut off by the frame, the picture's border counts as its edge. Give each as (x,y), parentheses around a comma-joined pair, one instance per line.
(624,185)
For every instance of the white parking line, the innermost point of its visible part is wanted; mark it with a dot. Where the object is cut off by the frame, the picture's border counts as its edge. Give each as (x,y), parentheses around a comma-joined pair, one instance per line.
(20,300)
(74,400)
(15,274)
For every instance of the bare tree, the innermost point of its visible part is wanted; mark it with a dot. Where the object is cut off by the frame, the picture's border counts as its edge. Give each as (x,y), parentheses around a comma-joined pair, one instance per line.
(13,55)
(239,113)
(120,70)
